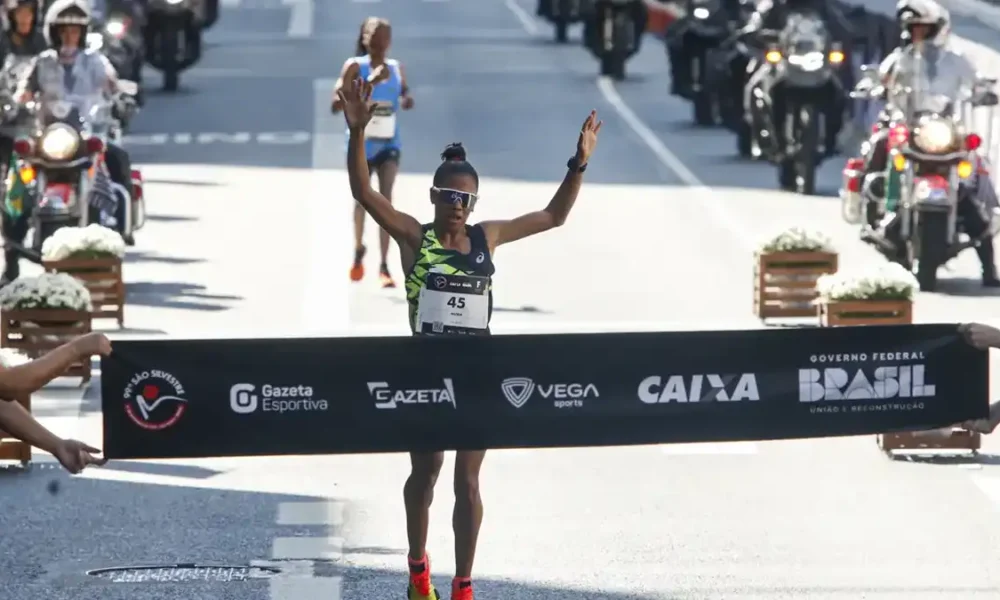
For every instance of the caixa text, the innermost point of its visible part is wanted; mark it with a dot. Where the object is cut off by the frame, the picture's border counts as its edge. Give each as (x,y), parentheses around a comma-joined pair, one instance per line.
(880,383)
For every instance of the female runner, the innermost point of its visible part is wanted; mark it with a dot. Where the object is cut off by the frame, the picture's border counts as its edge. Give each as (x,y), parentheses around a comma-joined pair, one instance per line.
(382,146)
(461,254)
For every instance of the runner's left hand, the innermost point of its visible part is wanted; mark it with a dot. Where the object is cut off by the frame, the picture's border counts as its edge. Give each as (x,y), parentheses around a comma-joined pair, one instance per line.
(981,336)
(406,102)
(76,456)
(588,137)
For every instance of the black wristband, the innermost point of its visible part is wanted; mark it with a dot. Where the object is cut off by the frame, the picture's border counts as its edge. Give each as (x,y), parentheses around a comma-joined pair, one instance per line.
(574,165)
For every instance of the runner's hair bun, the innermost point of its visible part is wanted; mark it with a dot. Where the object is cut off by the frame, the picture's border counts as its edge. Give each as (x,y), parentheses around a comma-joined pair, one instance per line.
(454,152)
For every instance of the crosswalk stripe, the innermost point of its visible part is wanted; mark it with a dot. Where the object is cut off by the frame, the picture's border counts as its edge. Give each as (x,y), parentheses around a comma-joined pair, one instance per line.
(306,548)
(326,512)
(306,588)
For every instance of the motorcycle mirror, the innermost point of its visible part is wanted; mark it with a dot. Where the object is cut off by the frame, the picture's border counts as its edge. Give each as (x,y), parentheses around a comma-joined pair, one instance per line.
(128,87)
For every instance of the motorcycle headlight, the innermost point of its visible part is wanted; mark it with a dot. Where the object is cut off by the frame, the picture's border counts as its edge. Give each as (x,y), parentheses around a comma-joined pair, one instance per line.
(936,136)
(116,28)
(60,142)
(810,61)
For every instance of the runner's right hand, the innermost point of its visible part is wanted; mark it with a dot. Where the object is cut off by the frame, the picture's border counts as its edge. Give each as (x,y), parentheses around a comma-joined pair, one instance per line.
(92,344)
(356,100)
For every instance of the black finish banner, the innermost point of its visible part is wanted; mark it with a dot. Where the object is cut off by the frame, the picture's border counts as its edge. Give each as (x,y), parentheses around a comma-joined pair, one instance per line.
(204,398)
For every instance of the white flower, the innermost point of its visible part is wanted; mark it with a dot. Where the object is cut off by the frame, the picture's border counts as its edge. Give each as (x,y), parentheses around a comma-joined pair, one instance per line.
(57,291)
(884,281)
(10,357)
(796,239)
(92,239)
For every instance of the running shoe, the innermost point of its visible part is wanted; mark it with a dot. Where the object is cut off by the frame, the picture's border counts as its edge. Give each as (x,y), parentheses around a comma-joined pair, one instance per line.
(358,268)
(420,587)
(461,589)
(385,277)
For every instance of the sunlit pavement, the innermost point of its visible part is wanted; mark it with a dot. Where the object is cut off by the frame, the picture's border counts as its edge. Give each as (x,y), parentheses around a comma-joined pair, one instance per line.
(250,236)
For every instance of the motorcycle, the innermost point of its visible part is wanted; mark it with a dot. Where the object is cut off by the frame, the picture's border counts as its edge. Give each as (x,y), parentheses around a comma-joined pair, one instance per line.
(15,121)
(563,13)
(173,37)
(802,74)
(613,32)
(932,161)
(703,29)
(114,41)
(73,187)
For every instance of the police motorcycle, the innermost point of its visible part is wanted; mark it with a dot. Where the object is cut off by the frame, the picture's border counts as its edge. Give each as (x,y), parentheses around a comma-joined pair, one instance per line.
(613,32)
(799,71)
(66,150)
(173,36)
(726,71)
(15,121)
(704,28)
(932,171)
(118,36)
(563,13)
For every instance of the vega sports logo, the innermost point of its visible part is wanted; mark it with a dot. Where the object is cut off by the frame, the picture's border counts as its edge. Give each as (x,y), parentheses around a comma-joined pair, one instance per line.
(154,399)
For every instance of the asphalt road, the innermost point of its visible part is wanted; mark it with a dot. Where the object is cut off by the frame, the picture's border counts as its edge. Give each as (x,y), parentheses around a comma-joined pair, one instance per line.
(250,236)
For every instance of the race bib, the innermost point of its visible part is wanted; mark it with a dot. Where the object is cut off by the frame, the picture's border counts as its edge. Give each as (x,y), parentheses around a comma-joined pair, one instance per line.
(383,123)
(453,304)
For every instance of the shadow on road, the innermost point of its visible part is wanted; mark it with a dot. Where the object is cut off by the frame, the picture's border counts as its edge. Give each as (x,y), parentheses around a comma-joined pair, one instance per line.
(185,296)
(154,257)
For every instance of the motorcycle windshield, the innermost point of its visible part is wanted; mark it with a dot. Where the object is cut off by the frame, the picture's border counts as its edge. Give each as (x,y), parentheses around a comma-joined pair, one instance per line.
(804,33)
(92,112)
(932,81)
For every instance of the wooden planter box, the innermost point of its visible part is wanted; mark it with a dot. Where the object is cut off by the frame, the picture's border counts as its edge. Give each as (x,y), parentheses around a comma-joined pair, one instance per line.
(38,331)
(959,439)
(785,282)
(864,312)
(12,448)
(894,312)
(103,279)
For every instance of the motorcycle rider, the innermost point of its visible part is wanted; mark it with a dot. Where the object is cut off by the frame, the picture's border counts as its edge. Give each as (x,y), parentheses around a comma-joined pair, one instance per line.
(20,38)
(730,11)
(70,70)
(926,64)
(772,16)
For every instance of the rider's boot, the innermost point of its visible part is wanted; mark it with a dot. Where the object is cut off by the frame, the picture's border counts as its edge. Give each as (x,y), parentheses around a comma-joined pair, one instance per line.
(986,256)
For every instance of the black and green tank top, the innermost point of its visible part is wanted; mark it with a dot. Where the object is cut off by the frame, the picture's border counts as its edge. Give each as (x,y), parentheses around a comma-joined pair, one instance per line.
(458,285)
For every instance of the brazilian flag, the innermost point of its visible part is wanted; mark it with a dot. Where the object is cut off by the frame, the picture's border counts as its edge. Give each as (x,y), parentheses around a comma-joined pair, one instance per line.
(13,202)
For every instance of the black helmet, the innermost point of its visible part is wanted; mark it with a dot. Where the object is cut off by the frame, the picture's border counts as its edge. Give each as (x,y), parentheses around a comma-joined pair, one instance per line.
(66,12)
(10,6)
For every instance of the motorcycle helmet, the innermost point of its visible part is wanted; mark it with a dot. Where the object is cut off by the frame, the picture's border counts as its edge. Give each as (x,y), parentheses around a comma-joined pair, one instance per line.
(11,6)
(66,12)
(910,13)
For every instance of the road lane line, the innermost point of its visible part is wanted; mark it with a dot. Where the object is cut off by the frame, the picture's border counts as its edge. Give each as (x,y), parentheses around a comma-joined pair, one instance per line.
(325,512)
(710,200)
(231,3)
(527,22)
(300,23)
(307,548)
(305,588)
(328,220)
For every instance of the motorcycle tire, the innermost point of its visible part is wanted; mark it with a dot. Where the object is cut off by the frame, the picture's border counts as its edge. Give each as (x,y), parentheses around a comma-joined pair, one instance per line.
(562,32)
(744,140)
(704,109)
(932,232)
(613,66)
(808,132)
(168,54)
(211,13)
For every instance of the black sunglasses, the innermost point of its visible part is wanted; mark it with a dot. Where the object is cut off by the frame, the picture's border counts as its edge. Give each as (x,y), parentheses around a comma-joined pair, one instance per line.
(466,200)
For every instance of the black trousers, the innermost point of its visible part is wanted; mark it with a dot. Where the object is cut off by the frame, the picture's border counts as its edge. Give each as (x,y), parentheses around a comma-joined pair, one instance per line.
(120,169)
(12,229)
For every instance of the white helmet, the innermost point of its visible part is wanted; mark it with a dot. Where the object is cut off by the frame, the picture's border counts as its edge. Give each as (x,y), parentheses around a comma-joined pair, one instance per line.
(924,12)
(66,12)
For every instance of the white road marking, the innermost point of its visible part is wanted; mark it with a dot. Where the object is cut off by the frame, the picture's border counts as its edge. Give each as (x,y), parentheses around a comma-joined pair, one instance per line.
(275,138)
(231,3)
(326,305)
(327,512)
(366,1)
(306,588)
(300,23)
(710,449)
(709,199)
(527,22)
(307,548)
